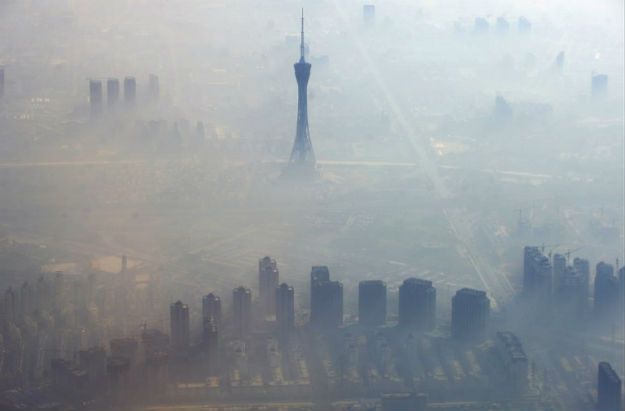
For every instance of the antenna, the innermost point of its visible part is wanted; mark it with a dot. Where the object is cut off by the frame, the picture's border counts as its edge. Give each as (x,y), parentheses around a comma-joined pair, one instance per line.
(301,47)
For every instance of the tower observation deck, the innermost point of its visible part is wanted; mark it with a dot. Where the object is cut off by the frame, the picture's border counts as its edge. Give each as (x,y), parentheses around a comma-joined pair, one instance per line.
(302,154)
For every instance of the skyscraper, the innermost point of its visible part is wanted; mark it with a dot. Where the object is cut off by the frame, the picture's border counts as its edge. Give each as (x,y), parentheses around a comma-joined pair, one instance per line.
(130,90)
(242,311)
(470,311)
(285,311)
(112,91)
(599,85)
(211,308)
(179,327)
(268,279)
(154,89)
(372,303)
(1,82)
(95,96)
(210,343)
(417,304)
(302,154)
(326,299)
(537,274)
(318,275)
(608,389)
(606,291)
(559,267)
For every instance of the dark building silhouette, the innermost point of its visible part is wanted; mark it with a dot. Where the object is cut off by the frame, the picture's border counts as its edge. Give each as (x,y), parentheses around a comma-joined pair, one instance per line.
(112,91)
(318,275)
(302,154)
(211,308)
(621,293)
(502,112)
(210,344)
(599,85)
(95,96)
(571,296)
(368,14)
(130,90)
(242,311)
(470,311)
(524,25)
(537,274)
(582,268)
(329,305)
(606,291)
(417,304)
(608,389)
(285,312)
(372,303)
(125,348)
(179,327)
(268,280)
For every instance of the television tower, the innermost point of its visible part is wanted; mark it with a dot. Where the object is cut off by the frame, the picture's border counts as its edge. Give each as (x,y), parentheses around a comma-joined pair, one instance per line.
(302,153)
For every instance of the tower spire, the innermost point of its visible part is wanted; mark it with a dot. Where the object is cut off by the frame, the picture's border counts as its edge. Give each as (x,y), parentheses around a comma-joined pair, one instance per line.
(301,46)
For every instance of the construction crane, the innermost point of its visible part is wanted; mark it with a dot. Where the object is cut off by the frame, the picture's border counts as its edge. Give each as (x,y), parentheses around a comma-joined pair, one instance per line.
(569,252)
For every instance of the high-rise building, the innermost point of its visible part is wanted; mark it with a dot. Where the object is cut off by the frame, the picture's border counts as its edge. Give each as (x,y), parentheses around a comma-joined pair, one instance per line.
(582,268)
(112,91)
(559,268)
(372,303)
(242,311)
(470,312)
(621,293)
(268,279)
(179,327)
(368,14)
(606,291)
(524,25)
(211,308)
(302,154)
(95,96)
(537,274)
(154,89)
(516,365)
(328,311)
(571,295)
(318,275)
(599,85)
(210,343)
(417,304)
(130,90)
(285,311)
(608,389)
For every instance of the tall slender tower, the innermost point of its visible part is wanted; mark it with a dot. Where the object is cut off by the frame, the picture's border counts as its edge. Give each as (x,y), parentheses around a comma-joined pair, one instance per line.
(302,153)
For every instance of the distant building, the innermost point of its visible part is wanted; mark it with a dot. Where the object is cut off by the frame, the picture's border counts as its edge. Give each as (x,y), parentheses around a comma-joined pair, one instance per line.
(125,348)
(179,327)
(502,25)
(130,90)
(481,25)
(582,268)
(329,305)
(93,361)
(559,269)
(621,293)
(211,308)
(537,273)
(571,297)
(417,304)
(599,85)
(606,291)
(285,312)
(368,14)
(524,25)
(608,389)
(407,401)
(318,275)
(372,303)
(470,312)
(242,311)
(210,344)
(559,62)
(268,280)
(514,360)
(95,96)
(502,112)
(154,89)
(112,91)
